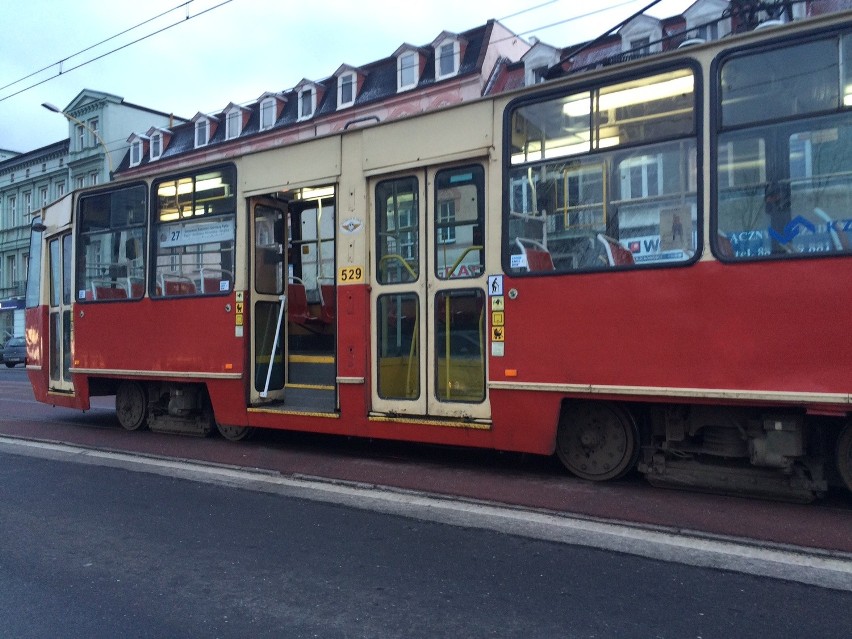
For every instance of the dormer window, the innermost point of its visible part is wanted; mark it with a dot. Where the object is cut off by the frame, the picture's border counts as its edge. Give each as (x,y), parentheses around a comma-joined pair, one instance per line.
(156,146)
(307,103)
(136,152)
(233,124)
(138,148)
(267,114)
(407,70)
(202,132)
(446,59)
(346,90)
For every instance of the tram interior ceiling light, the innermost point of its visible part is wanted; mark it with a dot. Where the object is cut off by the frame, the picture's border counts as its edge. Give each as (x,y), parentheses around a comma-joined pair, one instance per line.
(634,95)
(317,193)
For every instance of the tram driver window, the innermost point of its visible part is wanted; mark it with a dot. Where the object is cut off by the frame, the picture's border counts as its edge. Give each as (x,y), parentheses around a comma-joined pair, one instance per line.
(194,235)
(603,178)
(783,176)
(112,245)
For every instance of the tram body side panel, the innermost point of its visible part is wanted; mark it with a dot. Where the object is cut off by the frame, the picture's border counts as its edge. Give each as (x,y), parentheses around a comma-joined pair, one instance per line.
(193,338)
(772,327)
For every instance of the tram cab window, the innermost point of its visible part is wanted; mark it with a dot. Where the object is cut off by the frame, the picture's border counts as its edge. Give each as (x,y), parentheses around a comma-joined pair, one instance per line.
(603,178)
(111,243)
(195,233)
(784,189)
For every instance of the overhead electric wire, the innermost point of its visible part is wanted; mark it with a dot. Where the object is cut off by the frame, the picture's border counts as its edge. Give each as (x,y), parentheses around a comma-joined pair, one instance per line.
(103,55)
(89,48)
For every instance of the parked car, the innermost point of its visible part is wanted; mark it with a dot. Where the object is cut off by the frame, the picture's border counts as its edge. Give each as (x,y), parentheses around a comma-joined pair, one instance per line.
(15,352)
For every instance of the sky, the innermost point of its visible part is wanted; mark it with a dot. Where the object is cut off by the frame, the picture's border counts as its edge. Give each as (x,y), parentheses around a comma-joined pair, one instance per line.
(199,55)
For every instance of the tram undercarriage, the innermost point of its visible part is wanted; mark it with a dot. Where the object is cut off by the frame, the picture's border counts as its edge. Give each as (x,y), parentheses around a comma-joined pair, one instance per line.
(768,454)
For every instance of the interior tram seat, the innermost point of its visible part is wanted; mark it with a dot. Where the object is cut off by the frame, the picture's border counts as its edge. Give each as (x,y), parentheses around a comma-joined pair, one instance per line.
(538,258)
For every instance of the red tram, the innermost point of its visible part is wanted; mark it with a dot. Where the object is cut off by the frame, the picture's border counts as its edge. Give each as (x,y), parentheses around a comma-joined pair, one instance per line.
(642,266)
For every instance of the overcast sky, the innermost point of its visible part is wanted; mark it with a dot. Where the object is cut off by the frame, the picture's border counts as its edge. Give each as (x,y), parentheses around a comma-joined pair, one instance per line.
(222,51)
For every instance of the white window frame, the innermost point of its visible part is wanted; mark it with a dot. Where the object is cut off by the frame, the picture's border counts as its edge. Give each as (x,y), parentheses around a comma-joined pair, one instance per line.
(80,181)
(349,78)
(136,153)
(28,203)
(267,106)
(233,124)
(408,60)
(93,130)
(202,125)
(156,145)
(43,196)
(440,57)
(312,94)
(13,210)
(93,178)
(81,137)
(60,189)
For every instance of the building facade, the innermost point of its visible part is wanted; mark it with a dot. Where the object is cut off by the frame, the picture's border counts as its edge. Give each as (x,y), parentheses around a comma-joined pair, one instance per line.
(98,126)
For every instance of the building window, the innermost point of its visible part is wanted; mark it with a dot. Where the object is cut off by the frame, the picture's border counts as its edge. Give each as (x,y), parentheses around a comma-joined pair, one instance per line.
(93,125)
(202,135)
(446,60)
(407,70)
(136,153)
(267,114)
(13,211)
(233,124)
(156,146)
(93,179)
(80,182)
(306,103)
(43,196)
(28,203)
(345,90)
(81,137)
(60,189)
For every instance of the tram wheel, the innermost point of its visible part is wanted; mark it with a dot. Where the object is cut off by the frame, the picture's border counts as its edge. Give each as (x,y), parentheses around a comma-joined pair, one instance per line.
(235,433)
(131,405)
(597,440)
(844,455)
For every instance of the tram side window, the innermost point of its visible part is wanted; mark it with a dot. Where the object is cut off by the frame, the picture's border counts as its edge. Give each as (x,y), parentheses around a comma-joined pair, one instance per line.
(398,229)
(459,223)
(195,234)
(784,189)
(111,245)
(604,178)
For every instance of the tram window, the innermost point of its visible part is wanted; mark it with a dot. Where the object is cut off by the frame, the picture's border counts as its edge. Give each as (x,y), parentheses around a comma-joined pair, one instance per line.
(460,345)
(459,223)
(398,323)
(625,197)
(111,243)
(787,82)
(398,231)
(195,234)
(783,190)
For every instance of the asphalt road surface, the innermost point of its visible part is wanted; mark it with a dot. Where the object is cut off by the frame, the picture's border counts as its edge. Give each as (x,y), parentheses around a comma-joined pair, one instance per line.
(91,550)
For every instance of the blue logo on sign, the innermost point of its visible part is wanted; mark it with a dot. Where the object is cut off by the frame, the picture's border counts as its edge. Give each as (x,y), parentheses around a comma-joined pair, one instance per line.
(793,228)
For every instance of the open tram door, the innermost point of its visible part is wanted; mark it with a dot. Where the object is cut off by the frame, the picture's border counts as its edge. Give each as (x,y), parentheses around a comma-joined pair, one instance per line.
(268,295)
(428,294)
(293,300)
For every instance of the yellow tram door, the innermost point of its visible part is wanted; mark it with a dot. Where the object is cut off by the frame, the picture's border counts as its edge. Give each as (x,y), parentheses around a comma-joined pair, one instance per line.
(428,293)
(268,299)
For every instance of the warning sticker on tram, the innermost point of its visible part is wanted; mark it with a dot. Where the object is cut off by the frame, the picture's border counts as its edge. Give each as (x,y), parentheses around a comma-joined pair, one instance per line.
(498,334)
